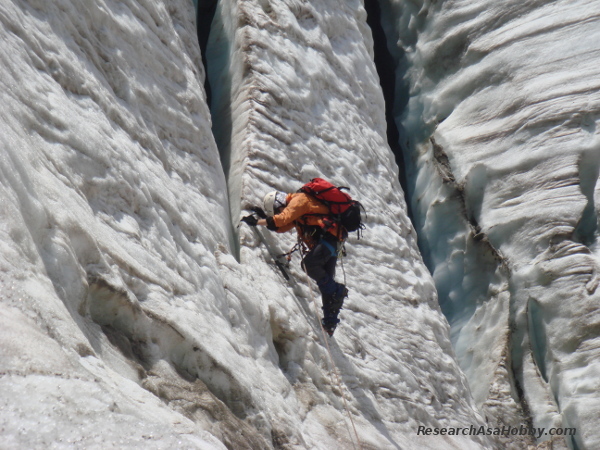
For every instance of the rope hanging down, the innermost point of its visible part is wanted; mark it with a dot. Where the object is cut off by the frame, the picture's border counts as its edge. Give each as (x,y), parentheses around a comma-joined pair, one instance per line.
(285,274)
(333,366)
(281,266)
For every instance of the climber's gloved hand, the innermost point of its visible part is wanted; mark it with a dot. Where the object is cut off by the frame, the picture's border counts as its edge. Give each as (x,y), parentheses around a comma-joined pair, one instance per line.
(250,220)
(259,212)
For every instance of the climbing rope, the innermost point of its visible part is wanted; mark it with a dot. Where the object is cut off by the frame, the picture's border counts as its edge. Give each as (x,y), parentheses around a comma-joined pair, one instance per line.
(333,366)
(341,255)
(336,377)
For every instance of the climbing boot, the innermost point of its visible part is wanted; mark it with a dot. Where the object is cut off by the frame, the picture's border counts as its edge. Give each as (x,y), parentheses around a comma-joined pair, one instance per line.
(329,324)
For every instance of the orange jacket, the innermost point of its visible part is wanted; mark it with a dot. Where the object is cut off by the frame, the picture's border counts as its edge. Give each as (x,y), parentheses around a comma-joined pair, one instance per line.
(303,210)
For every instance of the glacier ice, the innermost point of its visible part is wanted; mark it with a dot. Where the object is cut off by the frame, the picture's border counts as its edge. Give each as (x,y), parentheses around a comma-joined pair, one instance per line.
(502,140)
(136,312)
(130,316)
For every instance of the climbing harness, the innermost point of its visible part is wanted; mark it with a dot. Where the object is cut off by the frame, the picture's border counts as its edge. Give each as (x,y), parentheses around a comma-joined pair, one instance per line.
(295,248)
(330,247)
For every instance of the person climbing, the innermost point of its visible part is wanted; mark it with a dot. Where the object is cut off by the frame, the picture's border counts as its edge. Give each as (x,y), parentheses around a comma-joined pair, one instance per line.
(320,233)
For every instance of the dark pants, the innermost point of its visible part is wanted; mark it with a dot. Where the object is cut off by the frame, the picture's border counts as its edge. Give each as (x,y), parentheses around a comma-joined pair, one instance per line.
(319,264)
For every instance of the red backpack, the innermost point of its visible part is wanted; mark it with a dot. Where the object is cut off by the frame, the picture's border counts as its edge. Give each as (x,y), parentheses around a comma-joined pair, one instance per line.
(343,209)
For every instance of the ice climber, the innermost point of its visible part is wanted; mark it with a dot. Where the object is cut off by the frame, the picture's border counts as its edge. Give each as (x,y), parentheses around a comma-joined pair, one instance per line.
(322,237)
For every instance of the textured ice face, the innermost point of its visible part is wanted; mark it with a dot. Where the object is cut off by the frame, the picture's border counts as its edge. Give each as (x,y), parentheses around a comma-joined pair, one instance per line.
(502,129)
(124,307)
(133,304)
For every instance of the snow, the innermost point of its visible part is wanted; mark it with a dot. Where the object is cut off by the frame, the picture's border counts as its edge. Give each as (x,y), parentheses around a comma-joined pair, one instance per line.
(504,153)
(127,319)
(131,317)
(330,122)
(137,312)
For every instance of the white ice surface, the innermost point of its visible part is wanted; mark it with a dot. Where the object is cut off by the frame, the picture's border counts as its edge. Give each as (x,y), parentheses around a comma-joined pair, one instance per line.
(126,319)
(506,194)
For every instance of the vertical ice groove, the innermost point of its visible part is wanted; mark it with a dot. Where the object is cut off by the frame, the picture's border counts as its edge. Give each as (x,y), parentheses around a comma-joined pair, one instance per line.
(511,96)
(228,82)
(385,63)
(589,173)
(304,100)
(127,320)
(205,13)
(537,337)
(466,200)
(109,172)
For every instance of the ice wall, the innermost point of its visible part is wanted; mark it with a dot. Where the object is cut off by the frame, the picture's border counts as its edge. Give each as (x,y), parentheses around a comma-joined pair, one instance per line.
(304,101)
(502,141)
(126,319)
(113,216)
